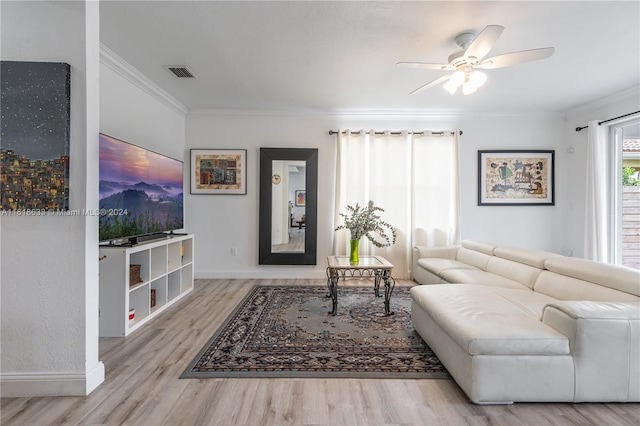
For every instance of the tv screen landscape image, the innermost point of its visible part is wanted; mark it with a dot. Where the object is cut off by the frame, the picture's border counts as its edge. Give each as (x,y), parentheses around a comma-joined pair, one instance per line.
(141,191)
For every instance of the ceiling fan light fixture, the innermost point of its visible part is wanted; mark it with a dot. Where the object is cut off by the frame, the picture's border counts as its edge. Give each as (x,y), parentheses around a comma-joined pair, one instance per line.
(451,88)
(456,80)
(468,88)
(477,78)
(473,82)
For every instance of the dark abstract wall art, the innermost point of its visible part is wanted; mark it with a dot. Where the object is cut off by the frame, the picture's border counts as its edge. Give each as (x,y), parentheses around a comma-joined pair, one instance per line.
(219,171)
(35,135)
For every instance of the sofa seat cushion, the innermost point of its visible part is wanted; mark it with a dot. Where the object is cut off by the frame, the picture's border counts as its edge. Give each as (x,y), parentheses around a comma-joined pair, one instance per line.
(476,276)
(483,322)
(437,265)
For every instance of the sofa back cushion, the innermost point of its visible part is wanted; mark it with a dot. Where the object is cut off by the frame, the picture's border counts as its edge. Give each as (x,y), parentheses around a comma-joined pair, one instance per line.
(486,248)
(531,257)
(473,258)
(618,278)
(520,272)
(578,279)
(563,287)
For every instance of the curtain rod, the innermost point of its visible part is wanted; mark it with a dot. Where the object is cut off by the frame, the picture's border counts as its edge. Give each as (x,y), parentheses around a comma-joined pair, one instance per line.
(335,132)
(611,119)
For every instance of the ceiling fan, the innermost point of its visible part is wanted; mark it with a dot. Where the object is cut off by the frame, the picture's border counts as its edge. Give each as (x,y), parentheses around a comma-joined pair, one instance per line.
(470,57)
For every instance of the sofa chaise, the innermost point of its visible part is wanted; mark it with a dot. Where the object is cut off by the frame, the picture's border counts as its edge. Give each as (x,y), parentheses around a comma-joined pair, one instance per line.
(513,324)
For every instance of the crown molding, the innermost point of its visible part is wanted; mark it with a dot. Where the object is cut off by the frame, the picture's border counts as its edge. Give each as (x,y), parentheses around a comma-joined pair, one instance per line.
(110,59)
(632,93)
(240,112)
(388,115)
(442,115)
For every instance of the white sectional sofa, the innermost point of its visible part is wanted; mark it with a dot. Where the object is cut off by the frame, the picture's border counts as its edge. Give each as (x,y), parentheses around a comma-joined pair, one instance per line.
(512,324)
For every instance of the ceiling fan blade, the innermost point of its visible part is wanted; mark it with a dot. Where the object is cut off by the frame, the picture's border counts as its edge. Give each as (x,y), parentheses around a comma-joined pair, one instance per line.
(515,58)
(426,66)
(431,84)
(483,43)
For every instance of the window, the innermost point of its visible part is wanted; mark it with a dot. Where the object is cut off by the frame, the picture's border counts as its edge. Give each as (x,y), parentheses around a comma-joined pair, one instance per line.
(625,243)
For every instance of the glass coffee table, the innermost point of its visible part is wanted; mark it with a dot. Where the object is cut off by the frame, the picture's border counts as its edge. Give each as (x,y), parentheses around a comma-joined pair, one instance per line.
(368,266)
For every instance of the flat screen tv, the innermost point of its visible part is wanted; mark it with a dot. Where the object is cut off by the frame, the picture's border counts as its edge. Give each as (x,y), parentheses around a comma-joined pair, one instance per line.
(141,192)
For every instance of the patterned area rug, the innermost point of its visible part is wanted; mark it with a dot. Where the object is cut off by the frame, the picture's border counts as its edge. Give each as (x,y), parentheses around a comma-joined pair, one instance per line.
(286,331)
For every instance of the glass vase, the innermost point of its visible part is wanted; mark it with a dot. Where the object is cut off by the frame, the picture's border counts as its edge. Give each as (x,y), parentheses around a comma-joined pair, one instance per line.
(353,255)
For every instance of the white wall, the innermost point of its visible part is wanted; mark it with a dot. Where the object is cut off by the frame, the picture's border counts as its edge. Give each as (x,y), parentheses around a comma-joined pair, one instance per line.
(133,109)
(531,226)
(49,277)
(574,187)
(221,222)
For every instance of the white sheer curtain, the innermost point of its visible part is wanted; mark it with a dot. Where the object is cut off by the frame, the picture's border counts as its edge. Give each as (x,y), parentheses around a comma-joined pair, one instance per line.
(413,177)
(596,241)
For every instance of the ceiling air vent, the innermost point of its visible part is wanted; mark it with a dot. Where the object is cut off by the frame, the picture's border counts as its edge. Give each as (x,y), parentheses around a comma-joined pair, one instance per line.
(181,71)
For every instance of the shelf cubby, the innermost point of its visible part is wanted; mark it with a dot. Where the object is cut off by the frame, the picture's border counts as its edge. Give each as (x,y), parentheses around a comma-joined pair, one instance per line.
(174,261)
(187,277)
(174,284)
(187,252)
(160,287)
(139,300)
(141,258)
(158,261)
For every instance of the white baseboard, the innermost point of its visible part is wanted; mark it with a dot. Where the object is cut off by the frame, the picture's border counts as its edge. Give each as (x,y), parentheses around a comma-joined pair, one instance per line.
(51,384)
(267,272)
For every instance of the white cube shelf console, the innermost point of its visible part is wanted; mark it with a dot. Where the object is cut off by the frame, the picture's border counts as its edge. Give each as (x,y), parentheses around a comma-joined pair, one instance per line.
(166,270)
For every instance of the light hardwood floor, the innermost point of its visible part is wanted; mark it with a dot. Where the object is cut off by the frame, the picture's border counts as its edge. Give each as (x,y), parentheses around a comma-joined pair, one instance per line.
(142,386)
(295,244)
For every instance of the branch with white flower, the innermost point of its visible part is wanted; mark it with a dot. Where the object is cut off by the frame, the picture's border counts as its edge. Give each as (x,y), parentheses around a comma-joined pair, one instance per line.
(365,222)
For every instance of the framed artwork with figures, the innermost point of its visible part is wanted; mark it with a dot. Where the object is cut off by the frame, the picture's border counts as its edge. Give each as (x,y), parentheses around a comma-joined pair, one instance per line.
(516,178)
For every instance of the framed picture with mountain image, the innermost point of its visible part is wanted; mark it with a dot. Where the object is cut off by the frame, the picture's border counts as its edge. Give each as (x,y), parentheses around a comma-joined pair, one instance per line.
(516,178)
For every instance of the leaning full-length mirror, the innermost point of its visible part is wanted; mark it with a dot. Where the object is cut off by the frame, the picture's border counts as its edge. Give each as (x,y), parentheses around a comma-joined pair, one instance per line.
(288,200)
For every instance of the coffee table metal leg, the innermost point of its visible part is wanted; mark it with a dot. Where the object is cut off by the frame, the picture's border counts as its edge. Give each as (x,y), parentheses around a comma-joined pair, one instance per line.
(389,284)
(332,284)
(376,283)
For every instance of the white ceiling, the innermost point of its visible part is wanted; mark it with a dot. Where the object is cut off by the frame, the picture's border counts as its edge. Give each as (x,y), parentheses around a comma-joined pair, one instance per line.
(340,56)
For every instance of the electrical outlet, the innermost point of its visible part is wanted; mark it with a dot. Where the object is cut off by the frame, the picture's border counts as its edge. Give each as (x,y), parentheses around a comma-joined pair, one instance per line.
(234,251)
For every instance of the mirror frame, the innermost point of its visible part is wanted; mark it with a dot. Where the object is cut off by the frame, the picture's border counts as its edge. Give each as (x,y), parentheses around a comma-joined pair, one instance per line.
(308,257)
